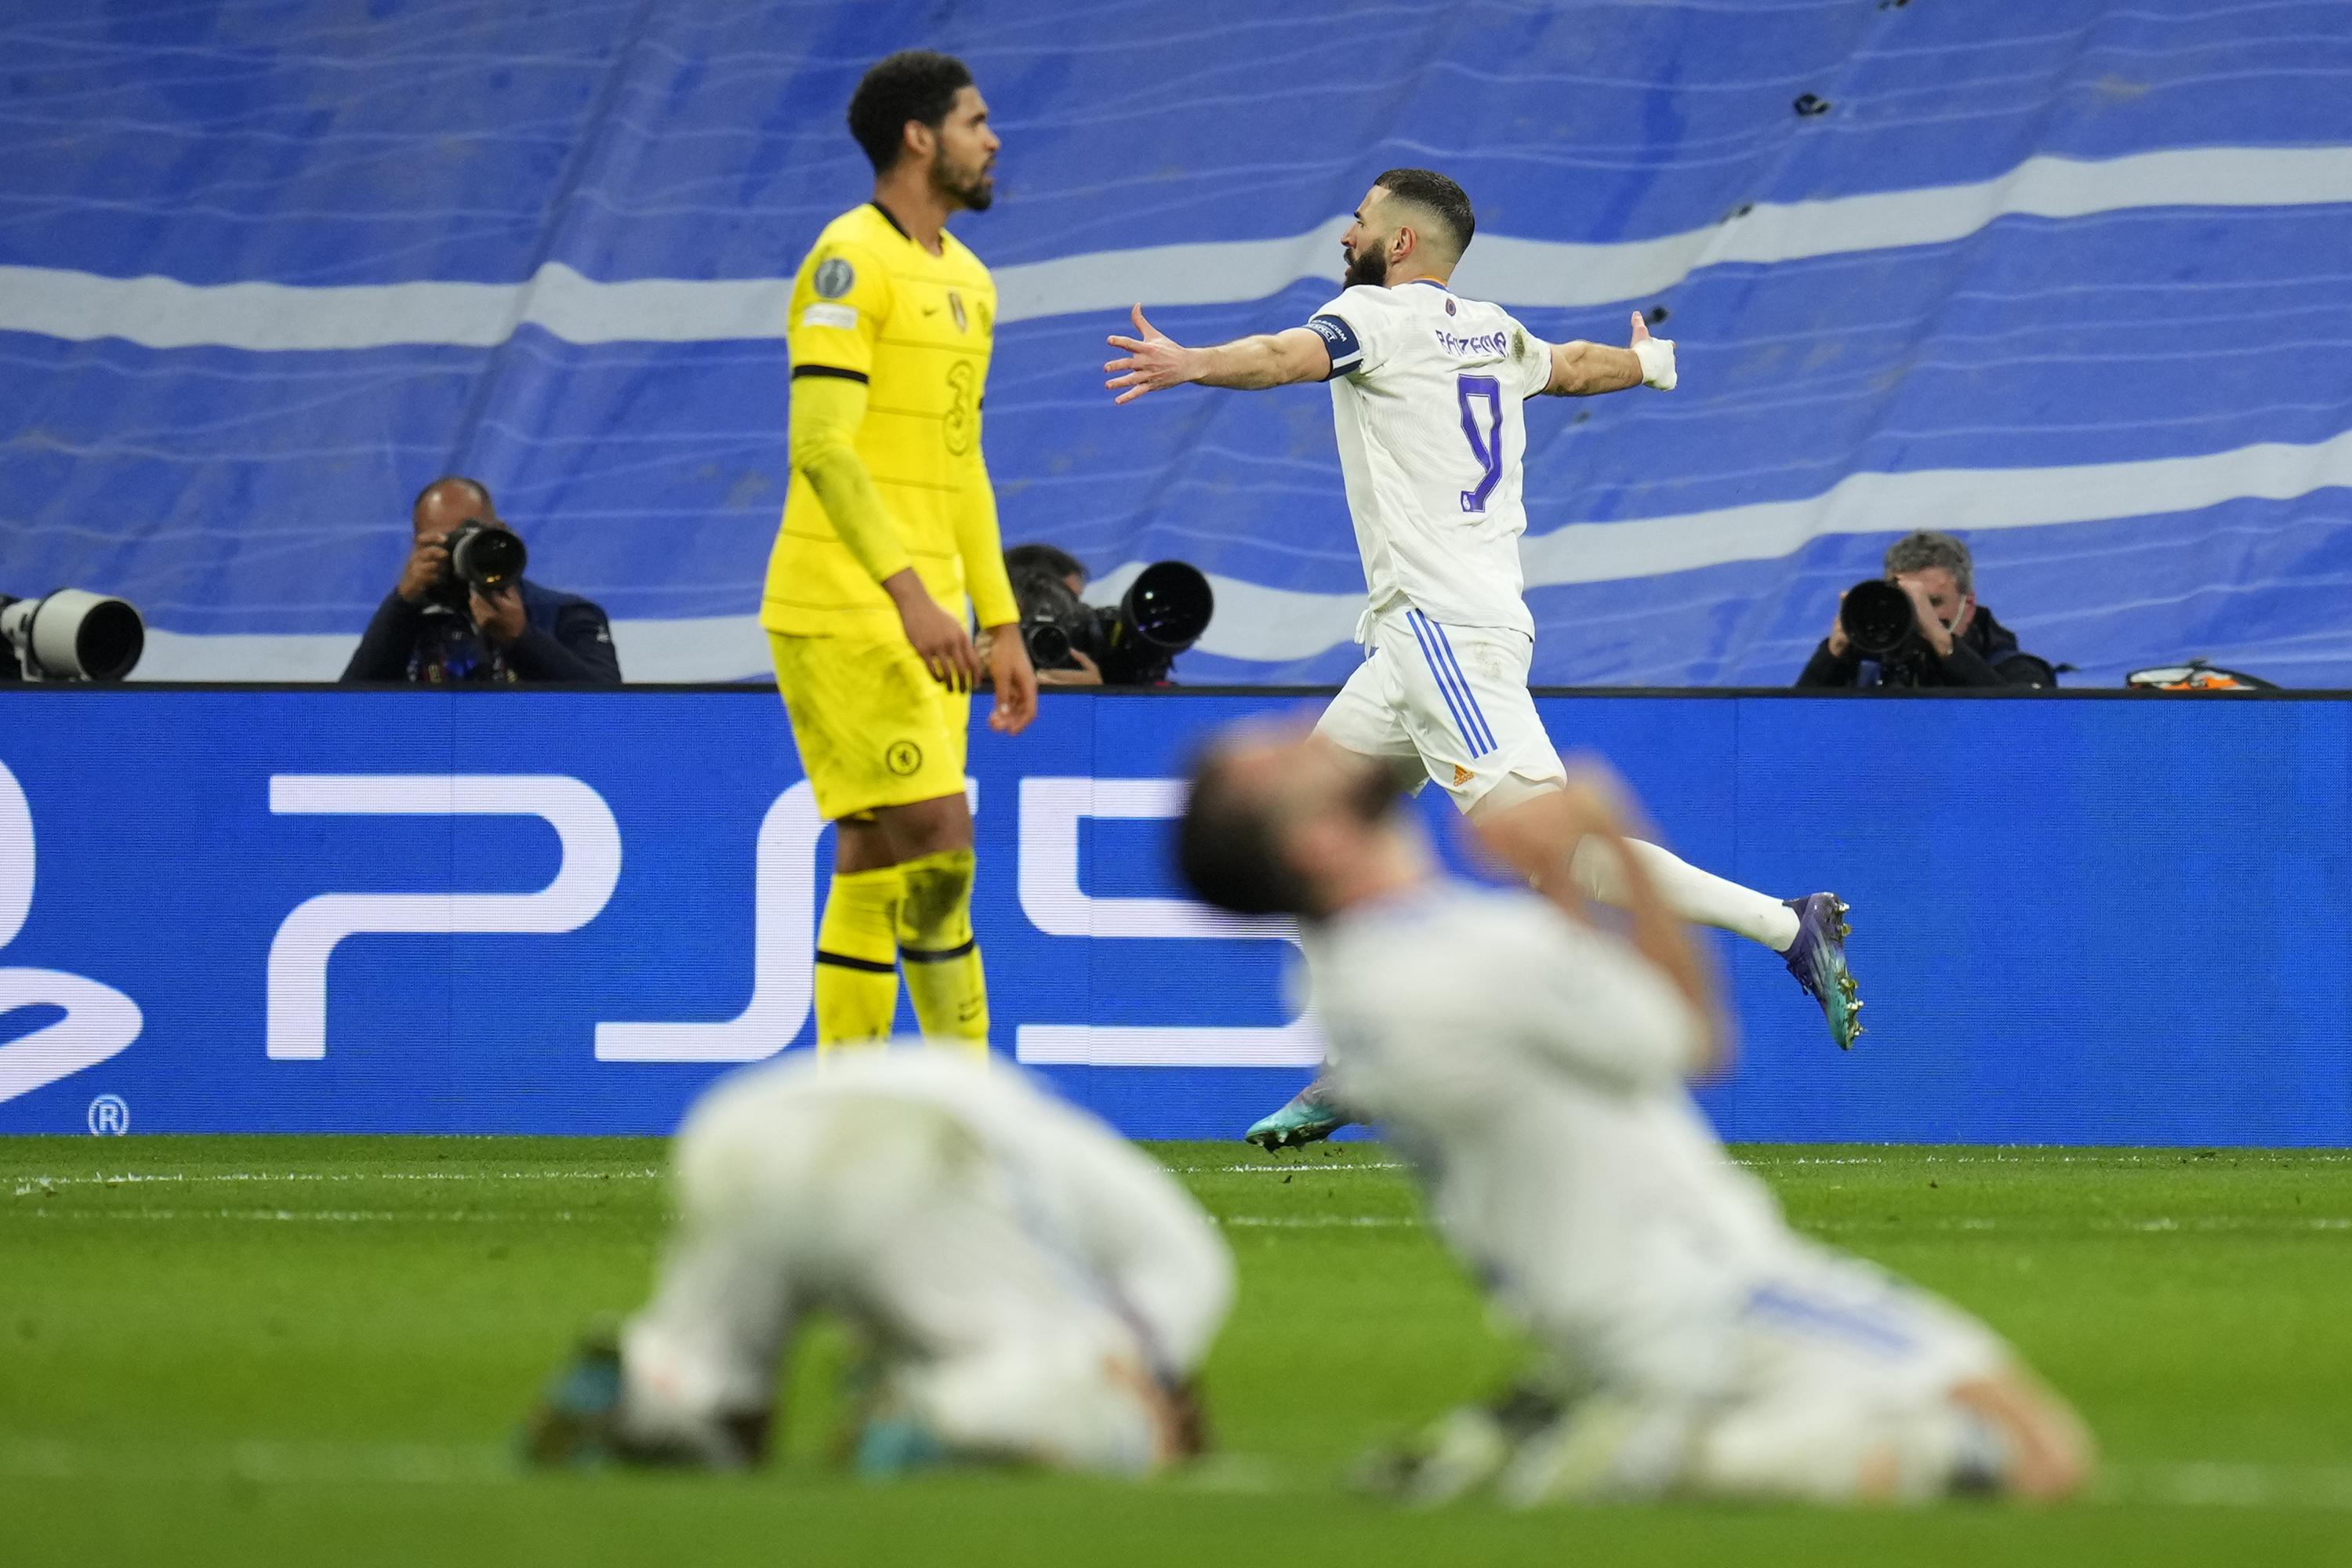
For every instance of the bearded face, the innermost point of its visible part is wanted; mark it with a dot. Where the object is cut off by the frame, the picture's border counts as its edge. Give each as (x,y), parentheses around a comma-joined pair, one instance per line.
(964,165)
(972,187)
(1368,263)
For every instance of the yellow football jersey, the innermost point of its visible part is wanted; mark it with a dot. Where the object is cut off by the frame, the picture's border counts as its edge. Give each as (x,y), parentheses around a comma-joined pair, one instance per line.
(871,304)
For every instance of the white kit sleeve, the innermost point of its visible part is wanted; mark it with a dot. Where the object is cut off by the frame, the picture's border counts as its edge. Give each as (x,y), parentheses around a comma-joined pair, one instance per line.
(1358,327)
(1531,361)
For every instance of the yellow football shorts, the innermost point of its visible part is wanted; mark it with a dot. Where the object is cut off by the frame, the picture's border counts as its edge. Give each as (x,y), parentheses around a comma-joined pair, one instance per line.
(873,728)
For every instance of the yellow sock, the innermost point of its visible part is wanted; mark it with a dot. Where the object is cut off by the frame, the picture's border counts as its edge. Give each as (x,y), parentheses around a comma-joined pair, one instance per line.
(936,943)
(856,953)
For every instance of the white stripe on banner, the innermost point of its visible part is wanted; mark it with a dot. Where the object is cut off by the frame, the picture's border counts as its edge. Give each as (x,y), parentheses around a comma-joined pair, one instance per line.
(163,313)
(1279,625)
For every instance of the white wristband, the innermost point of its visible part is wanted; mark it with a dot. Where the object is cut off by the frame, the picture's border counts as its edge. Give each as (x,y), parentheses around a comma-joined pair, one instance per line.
(1657,357)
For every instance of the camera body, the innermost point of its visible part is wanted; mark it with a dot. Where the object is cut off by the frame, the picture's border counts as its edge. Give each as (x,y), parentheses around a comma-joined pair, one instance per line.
(1135,642)
(1054,620)
(483,559)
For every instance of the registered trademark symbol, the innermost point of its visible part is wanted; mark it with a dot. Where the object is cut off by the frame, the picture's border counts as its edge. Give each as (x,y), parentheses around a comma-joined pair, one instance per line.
(109,1116)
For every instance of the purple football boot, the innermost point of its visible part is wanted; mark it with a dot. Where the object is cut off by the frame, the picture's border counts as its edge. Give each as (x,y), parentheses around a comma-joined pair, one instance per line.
(1817,958)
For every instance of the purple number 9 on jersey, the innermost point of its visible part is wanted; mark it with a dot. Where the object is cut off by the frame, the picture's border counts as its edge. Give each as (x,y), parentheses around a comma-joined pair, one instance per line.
(1488,447)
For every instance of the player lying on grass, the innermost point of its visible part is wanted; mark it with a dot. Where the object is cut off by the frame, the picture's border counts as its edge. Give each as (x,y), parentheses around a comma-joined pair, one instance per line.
(1531,1064)
(1426,388)
(1034,1289)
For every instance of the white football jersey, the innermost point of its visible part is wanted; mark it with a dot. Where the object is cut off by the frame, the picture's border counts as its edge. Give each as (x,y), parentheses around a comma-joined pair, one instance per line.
(1533,1071)
(1427,389)
(1090,1194)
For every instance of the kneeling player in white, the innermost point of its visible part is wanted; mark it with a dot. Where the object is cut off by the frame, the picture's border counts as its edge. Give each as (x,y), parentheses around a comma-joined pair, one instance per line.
(1035,1290)
(1426,388)
(1531,1064)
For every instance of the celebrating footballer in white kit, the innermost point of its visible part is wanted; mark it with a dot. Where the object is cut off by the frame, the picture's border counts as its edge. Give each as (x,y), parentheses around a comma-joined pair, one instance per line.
(1034,1290)
(1426,391)
(1530,1064)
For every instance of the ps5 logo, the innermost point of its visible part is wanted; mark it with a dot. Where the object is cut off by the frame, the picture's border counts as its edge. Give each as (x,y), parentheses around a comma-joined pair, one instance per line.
(99,1021)
(783,922)
(591,864)
(1055,902)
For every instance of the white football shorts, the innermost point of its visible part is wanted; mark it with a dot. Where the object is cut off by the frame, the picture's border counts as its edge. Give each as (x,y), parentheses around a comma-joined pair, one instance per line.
(1447,702)
(1844,1327)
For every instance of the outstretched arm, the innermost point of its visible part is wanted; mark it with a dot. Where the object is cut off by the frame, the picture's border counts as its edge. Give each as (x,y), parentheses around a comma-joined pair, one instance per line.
(1581,369)
(1155,360)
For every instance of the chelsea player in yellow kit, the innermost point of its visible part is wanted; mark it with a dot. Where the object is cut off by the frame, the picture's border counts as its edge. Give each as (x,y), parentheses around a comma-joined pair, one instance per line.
(890,524)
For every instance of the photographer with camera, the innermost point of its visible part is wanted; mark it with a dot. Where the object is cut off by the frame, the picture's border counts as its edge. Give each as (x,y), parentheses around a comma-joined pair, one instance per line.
(1921,626)
(463,611)
(1133,643)
(1035,564)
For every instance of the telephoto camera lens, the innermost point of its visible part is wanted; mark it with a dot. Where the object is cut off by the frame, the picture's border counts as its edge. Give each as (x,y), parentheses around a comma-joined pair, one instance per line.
(487,560)
(1878,618)
(74,634)
(1163,612)
(1169,605)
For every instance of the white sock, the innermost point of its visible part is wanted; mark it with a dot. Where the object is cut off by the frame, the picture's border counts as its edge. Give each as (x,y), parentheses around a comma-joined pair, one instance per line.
(1699,896)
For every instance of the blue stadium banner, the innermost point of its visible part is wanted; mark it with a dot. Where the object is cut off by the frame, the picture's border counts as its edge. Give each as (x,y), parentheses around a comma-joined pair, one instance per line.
(2065,277)
(2077,921)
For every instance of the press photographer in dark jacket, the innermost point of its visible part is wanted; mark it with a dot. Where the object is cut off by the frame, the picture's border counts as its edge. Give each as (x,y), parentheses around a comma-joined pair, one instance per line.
(1019,562)
(523,633)
(1959,642)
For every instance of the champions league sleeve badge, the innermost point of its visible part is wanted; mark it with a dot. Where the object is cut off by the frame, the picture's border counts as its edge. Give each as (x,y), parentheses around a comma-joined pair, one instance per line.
(834,278)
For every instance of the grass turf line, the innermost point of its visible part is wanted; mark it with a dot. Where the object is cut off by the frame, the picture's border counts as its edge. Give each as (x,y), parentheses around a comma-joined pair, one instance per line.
(256,1349)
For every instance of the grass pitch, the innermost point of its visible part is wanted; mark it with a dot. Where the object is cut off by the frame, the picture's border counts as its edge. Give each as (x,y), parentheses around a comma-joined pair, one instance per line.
(264,1349)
